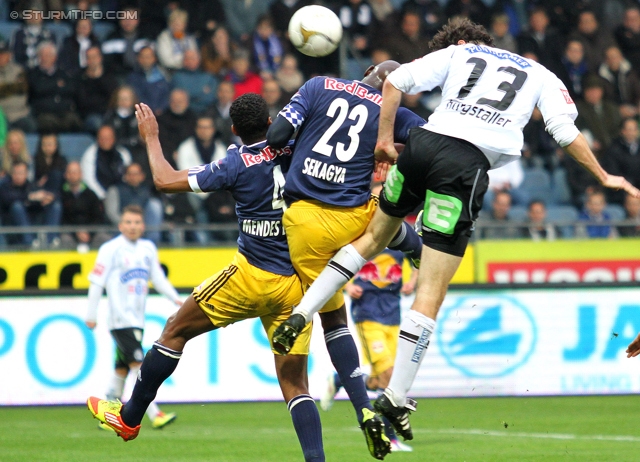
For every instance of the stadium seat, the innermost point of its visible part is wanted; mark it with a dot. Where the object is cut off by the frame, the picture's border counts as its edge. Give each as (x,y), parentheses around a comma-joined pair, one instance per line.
(7,28)
(102,29)
(563,213)
(615,211)
(537,185)
(32,143)
(518,213)
(560,191)
(73,145)
(61,30)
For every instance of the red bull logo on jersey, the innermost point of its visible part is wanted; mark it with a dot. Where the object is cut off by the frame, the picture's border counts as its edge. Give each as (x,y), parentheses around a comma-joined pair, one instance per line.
(382,271)
(265,155)
(353,88)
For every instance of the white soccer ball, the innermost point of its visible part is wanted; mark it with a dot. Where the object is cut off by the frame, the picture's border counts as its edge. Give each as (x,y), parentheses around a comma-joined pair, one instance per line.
(315,30)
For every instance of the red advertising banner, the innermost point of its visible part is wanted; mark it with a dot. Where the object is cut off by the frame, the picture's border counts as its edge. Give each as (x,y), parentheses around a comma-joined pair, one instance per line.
(564,271)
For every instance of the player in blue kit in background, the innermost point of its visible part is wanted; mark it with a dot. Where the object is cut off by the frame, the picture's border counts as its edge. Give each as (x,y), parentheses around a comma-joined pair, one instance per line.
(375,295)
(330,204)
(260,282)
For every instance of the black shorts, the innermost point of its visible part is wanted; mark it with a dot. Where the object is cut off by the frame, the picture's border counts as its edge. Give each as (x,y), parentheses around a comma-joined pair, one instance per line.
(128,346)
(450,176)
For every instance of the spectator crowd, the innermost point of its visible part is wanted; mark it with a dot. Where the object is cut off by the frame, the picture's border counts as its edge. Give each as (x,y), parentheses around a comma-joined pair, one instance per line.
(189,59)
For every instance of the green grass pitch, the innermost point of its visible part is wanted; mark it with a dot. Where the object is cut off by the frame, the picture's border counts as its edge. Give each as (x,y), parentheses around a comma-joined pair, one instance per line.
(474,429)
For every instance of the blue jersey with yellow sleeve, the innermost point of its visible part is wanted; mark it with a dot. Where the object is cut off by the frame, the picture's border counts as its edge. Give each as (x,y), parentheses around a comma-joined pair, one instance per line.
(337,127)
(381,281)
(255,177)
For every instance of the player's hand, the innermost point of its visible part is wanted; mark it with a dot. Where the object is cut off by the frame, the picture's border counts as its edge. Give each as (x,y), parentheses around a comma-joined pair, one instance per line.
(408,288)
(353,290)
(386,152)
(147,123)
(633,349)
(618,182)
(90,324)
(380,171)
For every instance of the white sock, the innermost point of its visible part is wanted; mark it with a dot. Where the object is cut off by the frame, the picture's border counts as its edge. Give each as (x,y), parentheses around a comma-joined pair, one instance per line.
(340,269)
(115,387)
(153,411)
(413,341)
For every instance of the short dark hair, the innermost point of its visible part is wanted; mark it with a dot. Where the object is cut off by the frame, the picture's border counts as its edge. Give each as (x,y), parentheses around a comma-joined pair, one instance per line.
(250,116)
(457,29)
(133,208)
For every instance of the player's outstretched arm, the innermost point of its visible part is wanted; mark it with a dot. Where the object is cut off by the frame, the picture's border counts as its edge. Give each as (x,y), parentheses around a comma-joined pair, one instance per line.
(580,151)
(633,349)
(385,149)
(280,132)
(165,177)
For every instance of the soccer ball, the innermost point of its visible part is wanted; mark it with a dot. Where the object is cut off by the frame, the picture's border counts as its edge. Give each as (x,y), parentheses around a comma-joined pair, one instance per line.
(315,30)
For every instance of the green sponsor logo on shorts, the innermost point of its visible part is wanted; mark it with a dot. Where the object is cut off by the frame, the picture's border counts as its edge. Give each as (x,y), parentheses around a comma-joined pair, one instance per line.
(441,212)
(393,185)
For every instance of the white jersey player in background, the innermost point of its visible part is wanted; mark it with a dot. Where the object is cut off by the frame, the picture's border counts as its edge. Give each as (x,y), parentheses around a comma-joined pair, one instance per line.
(488,96)
(124,266)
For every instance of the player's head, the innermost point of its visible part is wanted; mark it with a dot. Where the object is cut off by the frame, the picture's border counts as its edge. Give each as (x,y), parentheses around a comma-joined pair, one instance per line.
(376,75)
(460,29)
(250,118)
(132,222)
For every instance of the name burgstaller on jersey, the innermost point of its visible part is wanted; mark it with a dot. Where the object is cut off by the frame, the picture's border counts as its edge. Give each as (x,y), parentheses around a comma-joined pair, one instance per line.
(490,117)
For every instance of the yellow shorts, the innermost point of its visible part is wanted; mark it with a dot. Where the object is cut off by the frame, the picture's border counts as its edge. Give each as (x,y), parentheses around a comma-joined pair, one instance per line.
(379,343)
(316,231)
(242,291)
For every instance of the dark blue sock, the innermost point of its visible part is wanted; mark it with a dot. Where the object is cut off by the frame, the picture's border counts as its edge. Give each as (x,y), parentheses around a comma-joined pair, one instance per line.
(159,363)
(407,241)
(344,356)
(306,421)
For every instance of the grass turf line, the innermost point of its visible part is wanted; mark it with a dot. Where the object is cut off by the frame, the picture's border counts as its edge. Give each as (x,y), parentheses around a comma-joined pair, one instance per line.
(477,429)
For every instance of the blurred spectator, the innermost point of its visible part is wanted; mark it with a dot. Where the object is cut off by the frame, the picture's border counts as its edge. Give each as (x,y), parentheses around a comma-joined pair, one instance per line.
(103,162)
(50,164)
(150,82)
(244,81)
(272,94)
(563,13)
(80,206)
(282,10)
(202,148)
(628,36)
(122,46)
(24,204)
(499,218)
(408,43)
(204,17)
(540,149)
(475,10)
(623,157)
(572,68)
(26,40)
(624,85)
(216,53)
(502,38)
(507,178)
(14,92)
(176,124)
(53,93)
(597,114)
(221,112)
(357,21)
(14,151)
(73,54)
(593,37)
(220,207)
(121,116)
(174,41)
(594,213)
(201,86)
(538,229)
(132,190)
(632,212)
(382,10)
(541,39)
(242,17)
(430,12)
(95,90)
(267,49)
(289,76)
